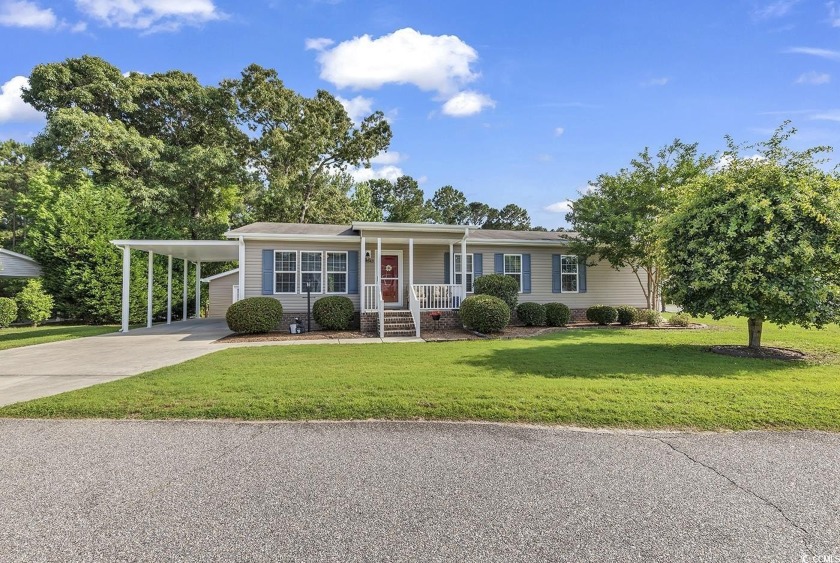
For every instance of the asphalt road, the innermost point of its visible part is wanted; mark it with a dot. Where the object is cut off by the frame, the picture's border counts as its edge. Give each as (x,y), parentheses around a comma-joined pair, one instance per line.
(378,491)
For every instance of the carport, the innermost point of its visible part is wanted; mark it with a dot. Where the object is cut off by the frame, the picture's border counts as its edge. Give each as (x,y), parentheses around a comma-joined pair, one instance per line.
(195,251)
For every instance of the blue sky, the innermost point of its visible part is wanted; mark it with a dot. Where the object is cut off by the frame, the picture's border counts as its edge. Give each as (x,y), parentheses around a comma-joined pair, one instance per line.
(507,101)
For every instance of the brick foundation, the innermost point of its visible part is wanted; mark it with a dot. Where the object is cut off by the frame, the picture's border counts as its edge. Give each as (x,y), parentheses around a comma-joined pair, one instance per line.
(289,318)
(448,319)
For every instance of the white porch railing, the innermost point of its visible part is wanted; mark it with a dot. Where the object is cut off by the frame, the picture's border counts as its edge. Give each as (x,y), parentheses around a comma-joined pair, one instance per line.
(439,297)
(371,298)
(381,315)
(414,306)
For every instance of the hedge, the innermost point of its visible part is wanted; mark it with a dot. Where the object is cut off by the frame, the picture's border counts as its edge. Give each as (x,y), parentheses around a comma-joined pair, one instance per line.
(334,312)
(8,311)
(627,315)
(504,287)
(254,315)
(531,314)
(602,314)
(557,314)
(484,313)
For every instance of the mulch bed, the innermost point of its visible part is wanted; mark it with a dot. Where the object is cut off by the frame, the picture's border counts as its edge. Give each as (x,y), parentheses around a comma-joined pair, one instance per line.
(763,353)
(281,336)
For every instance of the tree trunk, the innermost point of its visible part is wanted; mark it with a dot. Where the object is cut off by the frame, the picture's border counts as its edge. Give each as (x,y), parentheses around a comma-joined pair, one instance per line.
(754,325)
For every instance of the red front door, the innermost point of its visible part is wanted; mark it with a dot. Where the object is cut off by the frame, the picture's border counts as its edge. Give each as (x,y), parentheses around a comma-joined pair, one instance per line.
(390,277)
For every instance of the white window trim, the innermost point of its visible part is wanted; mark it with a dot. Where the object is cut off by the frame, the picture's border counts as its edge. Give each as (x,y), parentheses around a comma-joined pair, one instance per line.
(519,273)
(469,270)
(577,273)
(297,273)
(346,272)
(301,272)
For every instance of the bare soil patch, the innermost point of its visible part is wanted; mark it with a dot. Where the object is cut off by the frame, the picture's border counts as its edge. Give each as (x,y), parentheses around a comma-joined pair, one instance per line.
(763,353)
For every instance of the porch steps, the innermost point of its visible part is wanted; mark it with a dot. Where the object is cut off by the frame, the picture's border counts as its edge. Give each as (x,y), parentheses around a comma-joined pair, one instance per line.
(399,323)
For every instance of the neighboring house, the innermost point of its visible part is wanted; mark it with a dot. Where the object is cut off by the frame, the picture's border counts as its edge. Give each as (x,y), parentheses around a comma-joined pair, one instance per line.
(395,273)
(15,265)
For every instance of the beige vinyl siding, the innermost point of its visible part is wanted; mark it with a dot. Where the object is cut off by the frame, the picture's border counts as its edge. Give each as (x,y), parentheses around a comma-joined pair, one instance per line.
(292,303)
(221,295)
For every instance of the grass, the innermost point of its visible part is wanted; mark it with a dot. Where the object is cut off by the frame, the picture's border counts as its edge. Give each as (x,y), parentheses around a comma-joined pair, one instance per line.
(595,377)
(26,336)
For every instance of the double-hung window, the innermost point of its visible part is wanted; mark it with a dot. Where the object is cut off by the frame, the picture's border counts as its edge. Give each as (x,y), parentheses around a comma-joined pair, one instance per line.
(459,270)
(336,272)
(569,274)
(513,268)
(285,271)
(311,271)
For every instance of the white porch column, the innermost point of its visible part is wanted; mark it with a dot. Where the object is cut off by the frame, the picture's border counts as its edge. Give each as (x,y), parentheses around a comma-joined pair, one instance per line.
(150,286)
(463,268)
(169,291)
(378,263)
(184,312)
(126,287)
(362,267)
(198,289)
(411,262)
(451,265)
(241,294)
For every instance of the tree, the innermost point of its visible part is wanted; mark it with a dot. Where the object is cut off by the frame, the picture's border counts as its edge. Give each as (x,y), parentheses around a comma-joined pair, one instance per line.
(511,218)
(618,220)
(477,213)
(362,204)
(449,206)
(16,167)
(402,201)
(34,304)
(297,141)
(758,238)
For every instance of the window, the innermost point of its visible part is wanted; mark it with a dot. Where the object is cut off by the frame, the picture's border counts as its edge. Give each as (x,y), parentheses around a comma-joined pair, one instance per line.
(569,274)
(336,272)
(285,271)
(469,271)
(513,268)
(311,271)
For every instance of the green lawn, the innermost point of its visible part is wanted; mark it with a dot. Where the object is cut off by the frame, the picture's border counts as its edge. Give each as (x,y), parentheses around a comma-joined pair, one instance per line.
(595,377)
(26,336)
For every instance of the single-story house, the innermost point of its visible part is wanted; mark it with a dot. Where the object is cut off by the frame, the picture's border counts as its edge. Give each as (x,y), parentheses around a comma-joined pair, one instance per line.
(16,265)
(394,273)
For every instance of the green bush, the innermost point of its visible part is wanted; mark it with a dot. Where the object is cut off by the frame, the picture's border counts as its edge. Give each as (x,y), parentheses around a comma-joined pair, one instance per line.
(650,317)
(602,314)
(504,287)
(531,314)
(557,314)
(334,312)
(8,311)
(681,319)
(254,315)
(485,313)
(627,315)
(34,304)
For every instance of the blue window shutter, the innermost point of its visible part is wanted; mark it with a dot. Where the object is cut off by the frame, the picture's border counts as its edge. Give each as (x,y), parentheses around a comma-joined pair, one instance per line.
(555,273)
(446,275)
(526,273)
(581,274)
(499,263)
(352,271)
(478,266)
(267,271)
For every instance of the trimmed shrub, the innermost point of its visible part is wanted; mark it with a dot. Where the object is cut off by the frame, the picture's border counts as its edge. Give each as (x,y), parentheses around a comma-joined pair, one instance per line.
(681,319)
(531,314)
(8,311)
(601,314)
(627,315)
(650,317)
(34,304)
(484,313)
(334,312)
(557,314)
(254,315)
(504,287)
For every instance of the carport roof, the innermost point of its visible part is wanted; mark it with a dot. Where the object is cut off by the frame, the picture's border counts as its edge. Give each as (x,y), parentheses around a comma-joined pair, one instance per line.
(193,250)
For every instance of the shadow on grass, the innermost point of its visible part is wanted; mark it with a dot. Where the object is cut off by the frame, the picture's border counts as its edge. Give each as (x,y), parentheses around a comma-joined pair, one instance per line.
(620,360)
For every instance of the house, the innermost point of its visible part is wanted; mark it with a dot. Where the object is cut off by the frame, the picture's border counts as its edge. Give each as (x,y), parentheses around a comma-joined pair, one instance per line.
(15,265)
(394,273)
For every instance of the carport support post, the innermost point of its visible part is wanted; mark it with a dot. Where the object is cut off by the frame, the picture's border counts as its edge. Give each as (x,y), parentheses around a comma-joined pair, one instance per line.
(241,288)
(463,268)
(150,281)
(184,312)
(198,289)
(169,291)
(362,265)
(126,287)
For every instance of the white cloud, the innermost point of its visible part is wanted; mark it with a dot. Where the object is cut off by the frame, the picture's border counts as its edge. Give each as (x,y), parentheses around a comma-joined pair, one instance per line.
(433,63)
(661,81)
(392,157)
(815,52)
(545,157)
(12,107)
(357,108)
(21,13)
(389,172)
(815,78)
(467,103)
(833,14)
(78,27)
(777,9)
(150,15)
(558,131)
(317,43)
(560,207)
(827,115)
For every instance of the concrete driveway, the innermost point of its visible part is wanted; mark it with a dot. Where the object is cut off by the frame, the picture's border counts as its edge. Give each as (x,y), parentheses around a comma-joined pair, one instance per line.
(376,491)
(45,369)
